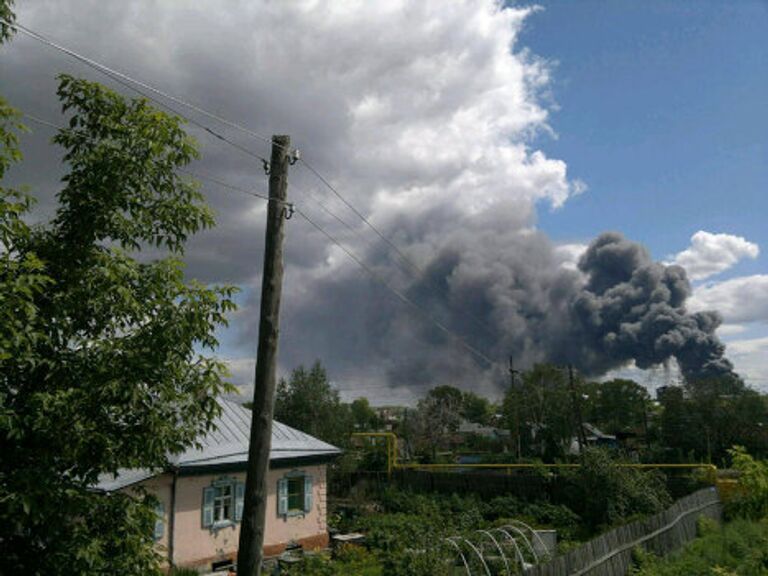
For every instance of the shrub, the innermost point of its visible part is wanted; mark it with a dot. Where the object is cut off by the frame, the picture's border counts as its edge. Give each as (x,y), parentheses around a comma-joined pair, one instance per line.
(751,500)
(605,494)
(350,561)
(183,572)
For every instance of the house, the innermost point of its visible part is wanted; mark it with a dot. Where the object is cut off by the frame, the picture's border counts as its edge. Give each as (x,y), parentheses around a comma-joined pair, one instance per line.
(489,432)
(593,437)
(390,416)
(201,495)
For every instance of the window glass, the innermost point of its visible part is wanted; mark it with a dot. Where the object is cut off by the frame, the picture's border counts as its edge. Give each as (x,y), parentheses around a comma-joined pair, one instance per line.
(296,494)
(222,503)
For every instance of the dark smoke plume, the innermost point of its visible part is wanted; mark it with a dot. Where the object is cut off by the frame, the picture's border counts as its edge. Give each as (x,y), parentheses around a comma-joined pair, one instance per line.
(632,308)
(509,294)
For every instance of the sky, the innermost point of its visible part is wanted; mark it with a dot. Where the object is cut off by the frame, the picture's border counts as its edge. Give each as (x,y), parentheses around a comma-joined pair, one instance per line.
(490,143)
(660,110)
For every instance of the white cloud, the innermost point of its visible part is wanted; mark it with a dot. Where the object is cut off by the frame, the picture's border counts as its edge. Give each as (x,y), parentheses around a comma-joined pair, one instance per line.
(749,358)
(710,254)
(739,300)
(403,105)
(725,330)
(569,254)
(423,114)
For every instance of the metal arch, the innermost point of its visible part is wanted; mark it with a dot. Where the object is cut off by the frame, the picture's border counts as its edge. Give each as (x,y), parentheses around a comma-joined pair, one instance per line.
(534,533)
(479,555)
(499,548)
(525,539)
(461,553)
(515,525)
(520,558)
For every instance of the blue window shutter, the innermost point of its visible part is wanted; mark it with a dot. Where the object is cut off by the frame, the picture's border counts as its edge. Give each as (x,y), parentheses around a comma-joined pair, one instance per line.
(307,493)
(282,497)
(208,494)
(239,497)
(159,521)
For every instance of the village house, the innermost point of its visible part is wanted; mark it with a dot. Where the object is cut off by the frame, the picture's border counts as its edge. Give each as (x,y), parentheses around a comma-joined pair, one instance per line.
(201,496)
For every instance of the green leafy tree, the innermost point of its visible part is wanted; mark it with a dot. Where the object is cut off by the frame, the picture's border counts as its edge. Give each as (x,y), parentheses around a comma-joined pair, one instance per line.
(7,14)
(100,352)
(364,418)
(438,415)
(751,499)
(679,425)
(540,408)
(703,422)
(606,494)
(307,402)
(475,408)
(617,405)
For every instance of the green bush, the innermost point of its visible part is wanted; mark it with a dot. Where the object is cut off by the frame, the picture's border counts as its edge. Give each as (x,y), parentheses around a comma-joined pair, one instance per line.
(183,572)
(751,500)
(605,494)
(538,514)
(350,561)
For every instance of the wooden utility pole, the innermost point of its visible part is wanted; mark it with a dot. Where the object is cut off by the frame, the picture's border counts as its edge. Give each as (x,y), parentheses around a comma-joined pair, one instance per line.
(514,390)
(580,436)
(250,551)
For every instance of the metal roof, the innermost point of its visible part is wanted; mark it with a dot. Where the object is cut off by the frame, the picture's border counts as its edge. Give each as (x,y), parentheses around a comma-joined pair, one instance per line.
(227,443)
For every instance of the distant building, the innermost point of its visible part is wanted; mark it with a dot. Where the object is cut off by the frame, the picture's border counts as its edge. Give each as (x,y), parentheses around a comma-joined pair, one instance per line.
(490,432)
(594,437)
(201,495)
(390,416)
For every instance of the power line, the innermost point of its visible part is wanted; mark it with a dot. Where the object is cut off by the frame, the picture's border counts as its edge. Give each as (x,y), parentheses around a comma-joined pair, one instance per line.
(397,292)
(132,83)
(349,253)
(325,233)
(191,173)
(330,237)
(43,122)
(212,180)
(419,271)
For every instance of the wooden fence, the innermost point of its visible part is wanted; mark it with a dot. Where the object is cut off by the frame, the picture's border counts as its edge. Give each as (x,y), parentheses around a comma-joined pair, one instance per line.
(525,485)
(611,553)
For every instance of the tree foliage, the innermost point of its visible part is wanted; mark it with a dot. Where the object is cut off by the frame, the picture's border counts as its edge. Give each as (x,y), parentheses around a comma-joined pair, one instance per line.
(100,350)
(476,408)
(751,499)
(607,494)
(703,422)
(540,408)
(617,405)
(307,402)
(437,416)
(364,418)
(7,14)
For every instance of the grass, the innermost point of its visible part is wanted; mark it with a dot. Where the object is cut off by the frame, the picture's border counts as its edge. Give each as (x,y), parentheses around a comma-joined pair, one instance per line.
(739,548)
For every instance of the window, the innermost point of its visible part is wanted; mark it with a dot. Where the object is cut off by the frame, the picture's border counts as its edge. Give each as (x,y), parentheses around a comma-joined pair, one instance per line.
(222,503)
(159,521)
(294,494)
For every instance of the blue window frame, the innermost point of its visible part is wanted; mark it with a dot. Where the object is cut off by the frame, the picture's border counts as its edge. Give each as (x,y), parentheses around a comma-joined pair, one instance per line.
(223,503)
(294,494)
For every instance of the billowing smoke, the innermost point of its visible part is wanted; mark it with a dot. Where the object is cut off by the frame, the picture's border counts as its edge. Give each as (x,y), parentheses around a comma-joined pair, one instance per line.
(432,118)
(503,287)
(632,308)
